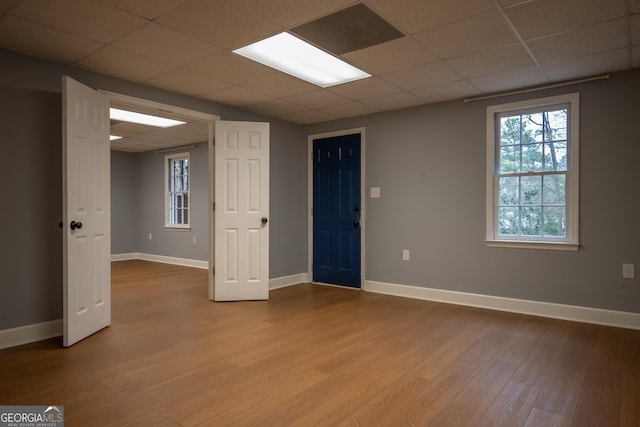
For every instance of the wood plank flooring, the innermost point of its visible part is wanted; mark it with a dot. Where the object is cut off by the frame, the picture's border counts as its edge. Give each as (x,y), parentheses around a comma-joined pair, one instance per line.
(318,355)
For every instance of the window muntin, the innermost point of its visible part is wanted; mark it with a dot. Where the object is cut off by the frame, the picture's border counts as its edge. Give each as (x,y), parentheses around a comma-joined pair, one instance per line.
(177,191)
(532,176)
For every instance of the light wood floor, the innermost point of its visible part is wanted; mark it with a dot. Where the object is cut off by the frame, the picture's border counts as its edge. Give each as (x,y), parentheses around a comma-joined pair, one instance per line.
(317,355)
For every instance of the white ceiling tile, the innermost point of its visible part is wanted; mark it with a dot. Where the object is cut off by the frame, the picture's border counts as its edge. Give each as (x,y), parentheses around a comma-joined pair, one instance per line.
(280,85)
(511,79)
(80,17)
(123,129)
(146,146)
(5,5)
(350,109)
(445,92)
(183,80)
(391,56)
(470,35)
(610,35)
(491,61)
(309,117)
(588,65)
(163,44)
(543,17)
(232,68)
(219,23)
(394,101)
(412,16)
(365,88)
(507,3)
(237,96)
(423,76)
(148,9)
(124,64)
(194,130)
(276,108)
(35,39)
(289,13)
(318,99)
(153,137)
(125,146)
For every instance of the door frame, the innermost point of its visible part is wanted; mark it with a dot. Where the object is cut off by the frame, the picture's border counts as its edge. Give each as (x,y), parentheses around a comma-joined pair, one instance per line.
(198,115)
(363,206)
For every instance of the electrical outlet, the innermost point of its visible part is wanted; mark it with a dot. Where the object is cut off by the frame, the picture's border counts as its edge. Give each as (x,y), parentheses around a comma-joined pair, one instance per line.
(194,240)
(150,236)
(406,255)
(375,192)
(628,271)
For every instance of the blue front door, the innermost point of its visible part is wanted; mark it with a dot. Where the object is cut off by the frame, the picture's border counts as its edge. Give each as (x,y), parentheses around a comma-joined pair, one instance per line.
(336,210)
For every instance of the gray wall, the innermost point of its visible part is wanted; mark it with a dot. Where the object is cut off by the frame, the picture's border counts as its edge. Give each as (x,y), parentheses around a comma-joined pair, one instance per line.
(125,210)
(137,206)
(31,256)
(442,219)
(31,207)
(151,197)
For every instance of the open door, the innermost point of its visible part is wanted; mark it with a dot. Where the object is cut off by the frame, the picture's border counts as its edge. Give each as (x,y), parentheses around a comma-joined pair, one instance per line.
(241,211)
(86,211)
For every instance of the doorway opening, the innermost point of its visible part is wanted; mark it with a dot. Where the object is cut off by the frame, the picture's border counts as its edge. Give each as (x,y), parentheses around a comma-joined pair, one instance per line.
(198,129)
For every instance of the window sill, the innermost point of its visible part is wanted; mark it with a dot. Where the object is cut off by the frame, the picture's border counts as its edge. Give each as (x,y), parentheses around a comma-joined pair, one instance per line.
(554,246)
(174,228)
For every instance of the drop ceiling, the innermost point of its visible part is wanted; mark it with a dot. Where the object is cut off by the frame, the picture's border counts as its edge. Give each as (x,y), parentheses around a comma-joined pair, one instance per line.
(137,138)
(448,49)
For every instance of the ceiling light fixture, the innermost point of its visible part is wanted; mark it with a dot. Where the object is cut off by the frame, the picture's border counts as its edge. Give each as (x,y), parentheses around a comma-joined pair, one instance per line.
(142,119)
(300,59)
(114,137)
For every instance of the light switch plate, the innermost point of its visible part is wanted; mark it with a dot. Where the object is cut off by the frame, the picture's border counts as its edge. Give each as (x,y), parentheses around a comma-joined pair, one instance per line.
(375,192)
(628,271)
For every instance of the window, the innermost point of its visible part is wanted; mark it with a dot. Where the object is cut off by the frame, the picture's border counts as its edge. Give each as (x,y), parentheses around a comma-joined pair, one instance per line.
(532,173)
(177,191)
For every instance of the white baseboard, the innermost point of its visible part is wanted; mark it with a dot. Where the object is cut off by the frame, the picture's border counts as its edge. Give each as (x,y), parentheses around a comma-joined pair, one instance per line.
(283,282)
(596,316)
(125,257)
(161,258)
(30,333)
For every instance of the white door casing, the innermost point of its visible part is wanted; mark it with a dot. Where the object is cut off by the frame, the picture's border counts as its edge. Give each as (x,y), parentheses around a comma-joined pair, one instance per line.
(86,201)
(242,211)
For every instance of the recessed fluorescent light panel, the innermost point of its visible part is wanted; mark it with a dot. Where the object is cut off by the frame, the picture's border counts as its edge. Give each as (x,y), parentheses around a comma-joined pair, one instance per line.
(142,119)
(114,137)
(300,59)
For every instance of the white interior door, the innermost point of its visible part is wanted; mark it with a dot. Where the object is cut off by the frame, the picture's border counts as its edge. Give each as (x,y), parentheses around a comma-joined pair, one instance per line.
(242,211)
(86,211)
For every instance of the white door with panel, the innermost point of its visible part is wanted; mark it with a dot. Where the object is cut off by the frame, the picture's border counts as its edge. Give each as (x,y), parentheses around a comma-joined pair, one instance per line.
(241,211)
(86,211)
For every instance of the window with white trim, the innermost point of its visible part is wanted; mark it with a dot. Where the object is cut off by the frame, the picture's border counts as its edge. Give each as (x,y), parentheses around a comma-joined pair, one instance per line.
(177,212)
(532,173)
